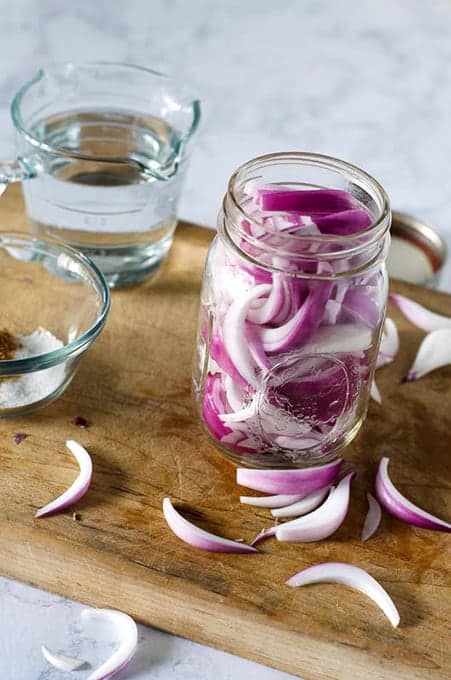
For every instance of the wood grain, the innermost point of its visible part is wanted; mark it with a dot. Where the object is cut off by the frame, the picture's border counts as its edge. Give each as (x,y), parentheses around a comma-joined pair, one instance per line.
(145,440)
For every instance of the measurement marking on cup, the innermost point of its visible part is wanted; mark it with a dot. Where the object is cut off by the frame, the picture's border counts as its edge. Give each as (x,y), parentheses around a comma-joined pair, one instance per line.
(68,208)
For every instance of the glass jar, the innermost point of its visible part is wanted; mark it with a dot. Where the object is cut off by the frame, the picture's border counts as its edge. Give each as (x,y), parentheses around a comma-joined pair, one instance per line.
(292,307)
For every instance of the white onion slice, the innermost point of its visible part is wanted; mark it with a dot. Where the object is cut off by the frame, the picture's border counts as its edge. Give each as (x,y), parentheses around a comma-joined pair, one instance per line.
(372,519)
(434,352)
(199,538)
(129,639)
(399,506)
(322,522)
(389,346)
(279,481)
(61,661)
(78,488)
(302,506)
(348,575)
(278,501)
(374,392)
(419,315)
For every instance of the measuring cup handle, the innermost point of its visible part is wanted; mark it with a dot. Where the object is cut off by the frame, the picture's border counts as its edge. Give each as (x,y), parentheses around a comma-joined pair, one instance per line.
(15,171)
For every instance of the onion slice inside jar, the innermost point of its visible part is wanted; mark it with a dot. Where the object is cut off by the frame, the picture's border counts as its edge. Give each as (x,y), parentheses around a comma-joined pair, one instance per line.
(279,481)
(306,202)
(351,576)
(78,488)
(234,331)
(400,507)
(128,632)
(199,538)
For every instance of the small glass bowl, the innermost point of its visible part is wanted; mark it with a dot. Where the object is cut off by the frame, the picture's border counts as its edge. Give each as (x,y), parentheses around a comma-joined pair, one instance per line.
(45,287)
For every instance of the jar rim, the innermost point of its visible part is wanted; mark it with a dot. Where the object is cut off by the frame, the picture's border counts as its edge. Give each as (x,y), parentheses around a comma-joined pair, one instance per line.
(319,160)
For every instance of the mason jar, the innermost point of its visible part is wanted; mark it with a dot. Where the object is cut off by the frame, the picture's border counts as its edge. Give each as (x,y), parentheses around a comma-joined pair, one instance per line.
(293,302)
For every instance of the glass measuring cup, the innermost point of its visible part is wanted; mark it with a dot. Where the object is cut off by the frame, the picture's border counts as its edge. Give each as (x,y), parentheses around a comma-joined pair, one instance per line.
(105,147)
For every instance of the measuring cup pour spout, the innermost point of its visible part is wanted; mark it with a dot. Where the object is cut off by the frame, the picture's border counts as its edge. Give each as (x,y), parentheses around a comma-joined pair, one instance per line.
(164,169)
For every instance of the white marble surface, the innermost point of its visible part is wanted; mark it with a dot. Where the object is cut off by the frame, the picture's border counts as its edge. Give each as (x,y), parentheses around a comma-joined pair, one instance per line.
(367,81)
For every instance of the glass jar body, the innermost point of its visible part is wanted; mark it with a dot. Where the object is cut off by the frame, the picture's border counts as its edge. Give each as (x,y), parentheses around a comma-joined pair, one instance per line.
(287,344)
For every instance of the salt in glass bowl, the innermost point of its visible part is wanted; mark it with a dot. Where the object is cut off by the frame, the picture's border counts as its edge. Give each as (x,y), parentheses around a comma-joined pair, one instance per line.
(54,302)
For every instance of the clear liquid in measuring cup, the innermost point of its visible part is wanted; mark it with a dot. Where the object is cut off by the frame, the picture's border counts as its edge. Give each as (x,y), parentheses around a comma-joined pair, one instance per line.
(106,204)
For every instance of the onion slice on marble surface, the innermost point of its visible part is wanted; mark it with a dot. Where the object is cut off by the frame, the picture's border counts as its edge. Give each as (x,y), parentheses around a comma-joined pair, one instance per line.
(322,522)
(278,501)
(400,507)
(78,488)
(61,661)
(128,633)
(303,505)
(434,352)
(420,316)
(199,538)
(348,575)
(372,519)
(279,481)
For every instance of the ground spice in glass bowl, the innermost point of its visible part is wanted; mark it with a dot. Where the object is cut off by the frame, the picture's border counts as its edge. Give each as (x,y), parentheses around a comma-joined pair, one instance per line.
(49,323)
(8,345)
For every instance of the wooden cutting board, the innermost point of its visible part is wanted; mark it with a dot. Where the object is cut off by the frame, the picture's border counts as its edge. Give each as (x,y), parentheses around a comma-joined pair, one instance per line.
(146,443)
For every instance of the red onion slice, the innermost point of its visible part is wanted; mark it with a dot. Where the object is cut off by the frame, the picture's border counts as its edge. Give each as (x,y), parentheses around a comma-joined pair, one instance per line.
(346,338)
(360,306)
(399,506)
(420,316)
(129,640)
(302,506)
(322,522)
(264,534)
(239,416)
(344,223)
(348,575)
(389,343)
(306,202)
(199,538)
(272,305)
(79,487)
(302,325)
(281,481)
(61,661)
(374,393)
(372,519)
(234,333)
(278,501)
(434,352)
